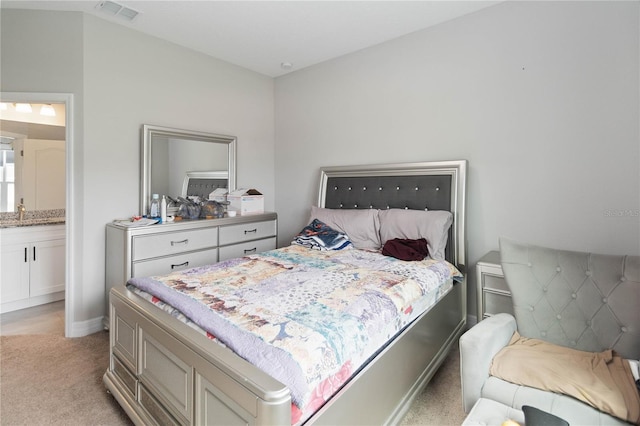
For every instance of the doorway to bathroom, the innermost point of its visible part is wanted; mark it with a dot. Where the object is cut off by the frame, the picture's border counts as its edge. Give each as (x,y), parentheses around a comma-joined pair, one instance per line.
(35,212)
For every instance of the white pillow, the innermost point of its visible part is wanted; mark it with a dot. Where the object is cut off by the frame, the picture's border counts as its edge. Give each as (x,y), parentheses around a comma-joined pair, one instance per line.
(362,226)
(433,225)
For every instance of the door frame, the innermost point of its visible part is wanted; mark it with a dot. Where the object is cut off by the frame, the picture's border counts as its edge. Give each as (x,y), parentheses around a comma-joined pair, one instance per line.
(67,99)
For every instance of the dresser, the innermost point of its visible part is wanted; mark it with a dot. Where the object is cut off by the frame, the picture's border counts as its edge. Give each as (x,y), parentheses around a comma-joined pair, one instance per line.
(161,249)
(493,292)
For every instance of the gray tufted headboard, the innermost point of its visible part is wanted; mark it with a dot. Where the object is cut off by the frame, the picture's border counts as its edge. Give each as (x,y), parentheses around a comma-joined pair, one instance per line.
(418,186)
(204,183)
(579,300)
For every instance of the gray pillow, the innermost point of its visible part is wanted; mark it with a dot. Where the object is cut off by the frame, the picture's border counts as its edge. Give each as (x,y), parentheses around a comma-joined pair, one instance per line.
(413,224)
(362,226)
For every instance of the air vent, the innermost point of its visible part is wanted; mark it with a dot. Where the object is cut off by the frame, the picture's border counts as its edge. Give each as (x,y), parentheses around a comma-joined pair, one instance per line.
(115,9)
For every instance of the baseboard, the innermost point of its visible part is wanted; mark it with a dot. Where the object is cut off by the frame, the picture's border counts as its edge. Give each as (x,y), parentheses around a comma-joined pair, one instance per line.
(31,302)
(84,328)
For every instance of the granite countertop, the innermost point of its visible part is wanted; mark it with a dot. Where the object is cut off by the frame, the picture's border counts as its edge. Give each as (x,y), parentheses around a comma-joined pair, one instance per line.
(33,218)
(32,222)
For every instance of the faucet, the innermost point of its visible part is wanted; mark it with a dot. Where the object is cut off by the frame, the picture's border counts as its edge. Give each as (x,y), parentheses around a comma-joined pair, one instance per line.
(21,211)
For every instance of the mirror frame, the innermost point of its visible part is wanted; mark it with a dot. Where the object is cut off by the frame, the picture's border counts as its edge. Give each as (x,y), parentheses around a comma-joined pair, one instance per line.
(150,131)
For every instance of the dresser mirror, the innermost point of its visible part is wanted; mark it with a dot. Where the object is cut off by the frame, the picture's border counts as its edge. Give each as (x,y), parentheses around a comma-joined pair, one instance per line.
(169,155)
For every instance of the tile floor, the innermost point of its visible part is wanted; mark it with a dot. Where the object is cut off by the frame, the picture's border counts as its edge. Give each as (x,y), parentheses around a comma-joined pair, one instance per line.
(43,319)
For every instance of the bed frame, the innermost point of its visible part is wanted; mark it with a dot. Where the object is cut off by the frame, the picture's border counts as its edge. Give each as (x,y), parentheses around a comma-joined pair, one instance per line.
(162,371)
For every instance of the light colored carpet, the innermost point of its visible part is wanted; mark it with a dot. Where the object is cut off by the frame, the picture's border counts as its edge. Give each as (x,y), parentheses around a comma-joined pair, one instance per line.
(47,379)
(440,404)
(51,380)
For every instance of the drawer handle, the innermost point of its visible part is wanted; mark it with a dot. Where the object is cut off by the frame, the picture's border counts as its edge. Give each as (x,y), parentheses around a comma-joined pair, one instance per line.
(253,250)
(185,241)
(251,231)
(182,264)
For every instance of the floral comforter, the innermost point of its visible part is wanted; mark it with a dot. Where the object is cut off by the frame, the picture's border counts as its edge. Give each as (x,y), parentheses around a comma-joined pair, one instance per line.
(308,318)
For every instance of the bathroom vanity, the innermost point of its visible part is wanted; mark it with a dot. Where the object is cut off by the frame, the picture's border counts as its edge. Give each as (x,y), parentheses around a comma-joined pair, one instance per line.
(32,259)
(161,249)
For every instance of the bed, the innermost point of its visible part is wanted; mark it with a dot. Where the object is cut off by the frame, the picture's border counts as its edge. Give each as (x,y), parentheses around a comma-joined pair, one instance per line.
(166,370)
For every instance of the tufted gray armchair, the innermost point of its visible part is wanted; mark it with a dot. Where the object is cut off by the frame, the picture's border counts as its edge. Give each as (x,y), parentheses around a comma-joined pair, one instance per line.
(579,300)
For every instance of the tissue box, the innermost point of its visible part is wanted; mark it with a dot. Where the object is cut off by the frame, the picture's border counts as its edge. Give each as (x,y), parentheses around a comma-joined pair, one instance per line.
(246,201)
(219,195)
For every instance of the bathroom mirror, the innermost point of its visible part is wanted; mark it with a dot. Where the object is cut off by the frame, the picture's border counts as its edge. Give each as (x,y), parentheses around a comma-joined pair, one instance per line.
(32,156)
(169,155)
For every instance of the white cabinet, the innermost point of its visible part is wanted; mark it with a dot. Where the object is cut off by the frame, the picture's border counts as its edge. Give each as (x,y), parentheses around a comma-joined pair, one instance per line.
(15,272)
(32,263)
(161,249)
(494,295)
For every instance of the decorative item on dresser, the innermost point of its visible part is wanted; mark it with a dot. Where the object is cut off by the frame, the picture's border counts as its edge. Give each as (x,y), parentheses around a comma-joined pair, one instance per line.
(493,292)
(164,370)
(160,249)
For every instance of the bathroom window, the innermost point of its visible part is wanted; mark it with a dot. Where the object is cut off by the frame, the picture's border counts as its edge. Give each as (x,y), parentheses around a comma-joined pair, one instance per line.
(7,181)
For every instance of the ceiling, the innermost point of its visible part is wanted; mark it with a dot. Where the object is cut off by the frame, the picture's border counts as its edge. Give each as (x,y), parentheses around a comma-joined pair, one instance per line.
(262,35)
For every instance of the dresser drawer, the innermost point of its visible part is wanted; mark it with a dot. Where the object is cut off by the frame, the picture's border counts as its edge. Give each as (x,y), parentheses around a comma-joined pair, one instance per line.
(247,231)
(495,303)
(166,265)
(495,282)
(250,247)
(166,243)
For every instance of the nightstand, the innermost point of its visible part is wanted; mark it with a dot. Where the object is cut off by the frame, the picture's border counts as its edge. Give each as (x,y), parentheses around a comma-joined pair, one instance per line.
(493,292)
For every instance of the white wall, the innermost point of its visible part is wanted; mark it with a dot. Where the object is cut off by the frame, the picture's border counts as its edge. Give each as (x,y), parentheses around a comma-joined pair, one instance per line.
(131,79)
(42,52)
(540,97)
(122,79)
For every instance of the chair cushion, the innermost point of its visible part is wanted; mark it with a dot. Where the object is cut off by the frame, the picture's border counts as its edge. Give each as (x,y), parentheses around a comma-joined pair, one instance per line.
(487,412)
(601,379)
(565,407)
